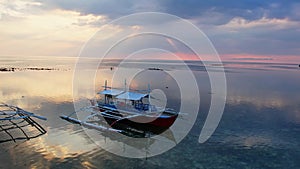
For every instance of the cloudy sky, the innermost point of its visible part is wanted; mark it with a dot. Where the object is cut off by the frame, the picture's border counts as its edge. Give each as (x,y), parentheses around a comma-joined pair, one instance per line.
(251,29)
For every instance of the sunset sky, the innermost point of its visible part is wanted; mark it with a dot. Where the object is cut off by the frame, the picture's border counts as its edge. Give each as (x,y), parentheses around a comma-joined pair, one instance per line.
(240,30)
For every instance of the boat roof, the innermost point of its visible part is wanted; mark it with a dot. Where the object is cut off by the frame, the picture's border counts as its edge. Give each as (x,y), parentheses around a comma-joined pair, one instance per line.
(113,92)
(131,96)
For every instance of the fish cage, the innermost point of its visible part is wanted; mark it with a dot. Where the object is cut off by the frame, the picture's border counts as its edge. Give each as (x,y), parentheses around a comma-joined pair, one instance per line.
(18,124)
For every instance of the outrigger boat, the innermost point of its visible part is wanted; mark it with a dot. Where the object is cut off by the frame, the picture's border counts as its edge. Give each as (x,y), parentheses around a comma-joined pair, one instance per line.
(18,124)
(127,111)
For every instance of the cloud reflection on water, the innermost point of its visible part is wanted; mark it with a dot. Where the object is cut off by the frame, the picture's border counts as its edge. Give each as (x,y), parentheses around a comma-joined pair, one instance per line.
(262,111)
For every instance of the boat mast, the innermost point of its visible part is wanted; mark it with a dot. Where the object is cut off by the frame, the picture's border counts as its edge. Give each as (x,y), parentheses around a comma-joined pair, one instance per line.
(125,89)
(105,88)
(149,90)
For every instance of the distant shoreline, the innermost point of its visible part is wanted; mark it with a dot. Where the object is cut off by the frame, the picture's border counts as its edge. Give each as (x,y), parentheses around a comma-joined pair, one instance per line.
(14,69)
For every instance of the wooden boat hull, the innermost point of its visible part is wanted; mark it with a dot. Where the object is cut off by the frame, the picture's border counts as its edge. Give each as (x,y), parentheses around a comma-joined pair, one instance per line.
(147,124)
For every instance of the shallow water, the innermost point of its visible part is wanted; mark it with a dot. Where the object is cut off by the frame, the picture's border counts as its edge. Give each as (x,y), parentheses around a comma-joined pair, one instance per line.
(259,128)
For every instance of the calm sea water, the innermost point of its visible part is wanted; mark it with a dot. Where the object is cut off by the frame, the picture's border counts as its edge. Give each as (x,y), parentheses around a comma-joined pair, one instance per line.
(260,127)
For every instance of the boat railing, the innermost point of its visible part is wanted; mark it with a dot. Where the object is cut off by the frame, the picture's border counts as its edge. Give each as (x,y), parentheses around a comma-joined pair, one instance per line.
(141,106)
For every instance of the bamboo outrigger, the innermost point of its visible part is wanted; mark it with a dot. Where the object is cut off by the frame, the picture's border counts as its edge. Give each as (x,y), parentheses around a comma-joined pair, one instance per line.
(14,124)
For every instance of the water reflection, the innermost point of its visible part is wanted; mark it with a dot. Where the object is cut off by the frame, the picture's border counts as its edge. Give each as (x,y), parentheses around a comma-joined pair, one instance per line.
(259,129)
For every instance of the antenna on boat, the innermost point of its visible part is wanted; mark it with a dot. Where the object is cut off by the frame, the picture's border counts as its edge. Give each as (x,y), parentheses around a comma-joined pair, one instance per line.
(105,88)
(149,90)
(125,85)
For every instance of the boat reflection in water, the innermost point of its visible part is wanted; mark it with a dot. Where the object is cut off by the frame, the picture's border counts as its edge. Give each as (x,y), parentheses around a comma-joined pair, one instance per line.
(127,112)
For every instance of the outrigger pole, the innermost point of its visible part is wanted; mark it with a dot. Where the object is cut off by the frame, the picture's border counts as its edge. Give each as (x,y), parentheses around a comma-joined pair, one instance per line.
(13,118)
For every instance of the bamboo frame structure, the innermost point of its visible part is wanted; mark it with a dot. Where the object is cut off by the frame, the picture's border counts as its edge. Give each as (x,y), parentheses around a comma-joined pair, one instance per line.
(18,124)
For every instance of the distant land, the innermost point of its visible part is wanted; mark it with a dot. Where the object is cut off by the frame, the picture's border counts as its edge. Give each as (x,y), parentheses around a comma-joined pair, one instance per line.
(13,69)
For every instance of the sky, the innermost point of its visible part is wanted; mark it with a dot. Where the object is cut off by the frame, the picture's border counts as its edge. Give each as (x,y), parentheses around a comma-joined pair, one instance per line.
(239,30)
